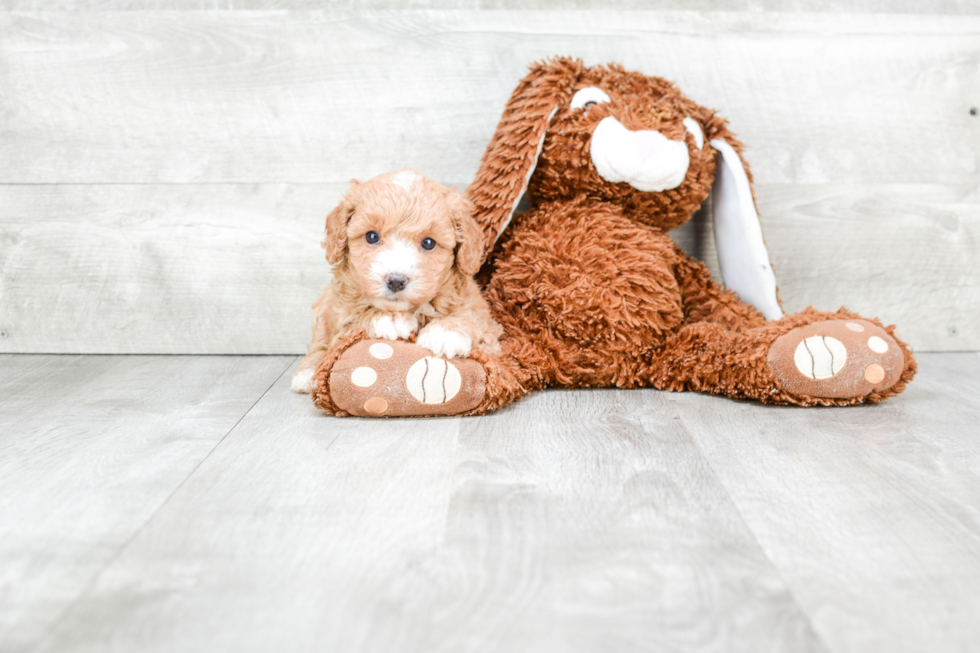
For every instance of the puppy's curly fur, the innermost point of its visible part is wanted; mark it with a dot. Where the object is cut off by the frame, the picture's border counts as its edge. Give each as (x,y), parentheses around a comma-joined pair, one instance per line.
(404,250)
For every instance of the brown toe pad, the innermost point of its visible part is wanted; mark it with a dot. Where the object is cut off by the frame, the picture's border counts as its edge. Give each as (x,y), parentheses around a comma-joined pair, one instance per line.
(836,359)
(381,378)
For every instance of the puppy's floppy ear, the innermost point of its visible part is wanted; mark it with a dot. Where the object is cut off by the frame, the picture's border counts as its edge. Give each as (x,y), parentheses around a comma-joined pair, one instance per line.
(335,232)
(742,253)
(512,154)
(469,237)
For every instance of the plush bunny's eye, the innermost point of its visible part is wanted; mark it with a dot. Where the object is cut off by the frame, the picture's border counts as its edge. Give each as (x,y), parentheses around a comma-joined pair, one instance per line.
(588,97)
(694,129)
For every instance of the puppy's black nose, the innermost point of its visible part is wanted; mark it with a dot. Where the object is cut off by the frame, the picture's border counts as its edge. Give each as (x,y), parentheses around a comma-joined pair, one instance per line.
(396,282)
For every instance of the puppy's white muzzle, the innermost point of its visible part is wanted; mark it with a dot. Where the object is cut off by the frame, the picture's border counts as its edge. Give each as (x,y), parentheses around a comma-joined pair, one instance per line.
(646,160)
(399,258)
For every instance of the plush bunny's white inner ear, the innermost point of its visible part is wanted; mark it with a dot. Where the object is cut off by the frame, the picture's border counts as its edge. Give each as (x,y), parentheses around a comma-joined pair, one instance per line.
(742,253)
(521,202)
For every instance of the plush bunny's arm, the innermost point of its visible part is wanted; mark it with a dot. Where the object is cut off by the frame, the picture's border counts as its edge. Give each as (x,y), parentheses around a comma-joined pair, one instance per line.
(742,253)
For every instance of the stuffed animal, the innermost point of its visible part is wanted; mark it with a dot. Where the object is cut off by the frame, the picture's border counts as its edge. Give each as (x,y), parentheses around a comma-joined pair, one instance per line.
(587,171)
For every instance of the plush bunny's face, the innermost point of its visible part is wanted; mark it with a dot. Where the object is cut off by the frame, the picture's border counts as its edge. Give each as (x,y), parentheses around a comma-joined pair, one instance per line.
(633,140)
(606,134)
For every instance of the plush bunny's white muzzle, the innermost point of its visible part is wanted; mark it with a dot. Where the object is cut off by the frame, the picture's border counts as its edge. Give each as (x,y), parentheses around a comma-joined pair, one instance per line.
(646,160)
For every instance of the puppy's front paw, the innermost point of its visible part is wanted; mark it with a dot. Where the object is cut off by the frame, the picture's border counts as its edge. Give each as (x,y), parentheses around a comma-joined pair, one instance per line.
(445,343)
(392,327)
(303,381)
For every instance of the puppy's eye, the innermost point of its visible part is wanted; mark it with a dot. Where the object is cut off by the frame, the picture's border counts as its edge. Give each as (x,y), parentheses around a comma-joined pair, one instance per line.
(372,237)
(428,243)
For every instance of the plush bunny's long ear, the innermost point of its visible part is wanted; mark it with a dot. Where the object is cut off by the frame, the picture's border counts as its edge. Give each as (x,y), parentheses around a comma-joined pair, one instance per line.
(513,151)
(742,254)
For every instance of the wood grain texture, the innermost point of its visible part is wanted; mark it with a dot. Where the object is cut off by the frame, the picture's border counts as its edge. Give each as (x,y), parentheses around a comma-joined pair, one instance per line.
(870,513)
(942,414)
(90,449)
(311,533)
(858,128)
(233,268)
(132,520)
(572,522)
(320,96)
(161,269)
(847,6)
(903,253)
(590,521)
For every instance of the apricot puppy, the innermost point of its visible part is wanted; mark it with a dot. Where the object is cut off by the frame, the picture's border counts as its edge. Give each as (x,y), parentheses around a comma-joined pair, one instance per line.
(404,250)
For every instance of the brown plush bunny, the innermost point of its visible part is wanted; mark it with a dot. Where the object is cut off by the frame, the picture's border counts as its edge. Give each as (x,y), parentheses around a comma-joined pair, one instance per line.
(588,169)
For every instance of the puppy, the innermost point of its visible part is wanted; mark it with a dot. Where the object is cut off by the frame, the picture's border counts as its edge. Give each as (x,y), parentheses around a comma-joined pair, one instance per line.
(404,250)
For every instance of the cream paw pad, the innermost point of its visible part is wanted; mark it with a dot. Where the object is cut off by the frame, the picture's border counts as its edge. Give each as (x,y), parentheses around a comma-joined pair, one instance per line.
(378,378)
(836,359)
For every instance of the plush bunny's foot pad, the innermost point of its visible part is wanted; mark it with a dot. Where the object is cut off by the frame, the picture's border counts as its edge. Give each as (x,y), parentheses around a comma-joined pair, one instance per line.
(379,378)
(836,359)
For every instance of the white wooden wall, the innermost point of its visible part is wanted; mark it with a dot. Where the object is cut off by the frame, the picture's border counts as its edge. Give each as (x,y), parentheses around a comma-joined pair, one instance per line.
(164,173)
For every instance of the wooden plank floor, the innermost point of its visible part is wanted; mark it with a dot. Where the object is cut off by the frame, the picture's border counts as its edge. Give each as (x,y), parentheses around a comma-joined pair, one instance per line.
(195,504)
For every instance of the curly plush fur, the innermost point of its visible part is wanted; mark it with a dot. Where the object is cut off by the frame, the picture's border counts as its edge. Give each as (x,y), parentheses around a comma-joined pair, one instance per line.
(589,288)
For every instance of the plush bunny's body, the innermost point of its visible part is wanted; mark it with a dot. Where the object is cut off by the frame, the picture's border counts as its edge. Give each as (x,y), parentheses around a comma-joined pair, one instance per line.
(588,169)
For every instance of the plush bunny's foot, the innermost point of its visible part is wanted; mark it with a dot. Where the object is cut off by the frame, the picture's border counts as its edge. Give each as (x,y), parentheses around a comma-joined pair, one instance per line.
(378,378)
(836,359)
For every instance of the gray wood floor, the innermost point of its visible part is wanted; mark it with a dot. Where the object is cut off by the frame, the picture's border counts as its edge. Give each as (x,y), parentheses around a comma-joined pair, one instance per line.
(194,503)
